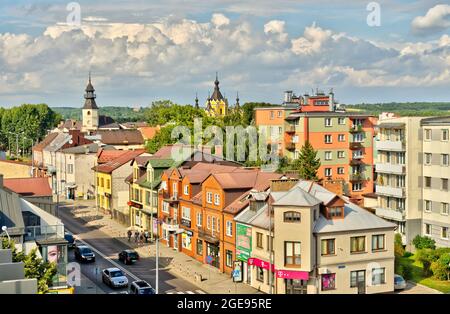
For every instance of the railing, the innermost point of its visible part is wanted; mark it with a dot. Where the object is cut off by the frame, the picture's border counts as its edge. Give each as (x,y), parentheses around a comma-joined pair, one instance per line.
(44,232)
(357,177)
(356,128)
(390,191)
(356,145)
(390,168)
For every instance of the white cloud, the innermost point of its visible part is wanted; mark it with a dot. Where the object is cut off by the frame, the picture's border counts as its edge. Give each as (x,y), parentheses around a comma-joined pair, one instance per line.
(437,19)
(220,20)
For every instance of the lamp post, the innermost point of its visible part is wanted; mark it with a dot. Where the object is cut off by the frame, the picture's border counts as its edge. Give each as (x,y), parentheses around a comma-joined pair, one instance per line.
(5,229)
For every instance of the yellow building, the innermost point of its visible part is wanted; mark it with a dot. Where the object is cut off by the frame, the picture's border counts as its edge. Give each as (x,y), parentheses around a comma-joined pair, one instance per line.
(104,191)
(216,105)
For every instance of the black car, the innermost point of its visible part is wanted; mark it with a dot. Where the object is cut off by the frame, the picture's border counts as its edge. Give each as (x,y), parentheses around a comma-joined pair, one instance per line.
(128,256)
(70,239)
(84,254)
(141,287)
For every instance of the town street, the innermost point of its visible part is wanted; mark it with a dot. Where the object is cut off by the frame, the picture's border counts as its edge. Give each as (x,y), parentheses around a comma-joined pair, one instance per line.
(106,250)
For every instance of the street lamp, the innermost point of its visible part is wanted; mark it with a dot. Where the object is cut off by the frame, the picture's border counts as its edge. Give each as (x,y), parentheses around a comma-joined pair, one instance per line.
(5,230)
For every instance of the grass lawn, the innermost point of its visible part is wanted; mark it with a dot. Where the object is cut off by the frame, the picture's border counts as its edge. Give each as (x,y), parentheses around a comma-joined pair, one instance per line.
(418,277)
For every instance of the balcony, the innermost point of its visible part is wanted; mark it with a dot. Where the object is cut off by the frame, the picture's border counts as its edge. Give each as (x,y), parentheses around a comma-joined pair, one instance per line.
(356,162)
(390,168)
(390,214)
(209,235)
(357,177)
(290,146)
(390,191)
(171,199)
(356,145)
(44,233)
(390,145)
(356,129)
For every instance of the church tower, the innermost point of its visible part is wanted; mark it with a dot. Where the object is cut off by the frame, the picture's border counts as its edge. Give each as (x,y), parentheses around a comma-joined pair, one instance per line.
(216,105)
(90,109)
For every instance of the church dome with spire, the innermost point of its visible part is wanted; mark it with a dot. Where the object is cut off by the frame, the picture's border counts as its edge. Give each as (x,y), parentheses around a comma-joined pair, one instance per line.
(216,104)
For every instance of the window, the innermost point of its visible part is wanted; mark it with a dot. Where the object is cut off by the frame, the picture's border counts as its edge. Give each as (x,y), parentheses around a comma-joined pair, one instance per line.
(341,154)
(357,277)
(165,208)
(216,199)
(229,258)
(328,247)
(378,242)
(108,183)
(102,182)
(357,186)
(378,276)
(272,115)
(340,170)
(357,244)
(358,137)
(200,247)
(328,139)
(70,168)
(427,229)
(269,243)
(186,213)
(291,216)
(444,208)
(186,242)
(292,256)
(199,219)
(444,184)
(444,159)
(328,122)
(98,181)
(208,222)
(427,134)
(186,189)
(164,185)
(328,282)
(280,114)
(427,159)
(341,138)
(328,155)
(260,274)
(444,232)
(213,223)
(328,172)
(335,212)
(259,240)
(147,198)
(341,121)
(280,130)
(428,206)
(209,197)
(428,182)
(357,154)
(229,228)
(444,134)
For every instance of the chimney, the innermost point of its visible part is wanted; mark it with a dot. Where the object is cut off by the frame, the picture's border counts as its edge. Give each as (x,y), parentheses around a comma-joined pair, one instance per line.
(331,101)
(288,96)
(282,185)
(334,186)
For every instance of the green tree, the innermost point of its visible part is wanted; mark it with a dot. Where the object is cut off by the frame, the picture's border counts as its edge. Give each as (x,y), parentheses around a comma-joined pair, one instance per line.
(307,163)
(34,266)
(398,246)
(424,243)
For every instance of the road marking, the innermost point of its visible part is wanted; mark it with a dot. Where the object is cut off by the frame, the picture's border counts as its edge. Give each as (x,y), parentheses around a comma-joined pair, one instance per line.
(107,258)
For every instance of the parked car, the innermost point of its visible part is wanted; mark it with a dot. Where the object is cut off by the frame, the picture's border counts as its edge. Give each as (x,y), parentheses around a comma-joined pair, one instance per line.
(70,240)
(84,254)
(399,282)
(141,287)
(128,256)
(114,278)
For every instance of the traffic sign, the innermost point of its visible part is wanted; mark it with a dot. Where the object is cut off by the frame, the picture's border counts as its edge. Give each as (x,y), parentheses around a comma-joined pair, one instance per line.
(236,273)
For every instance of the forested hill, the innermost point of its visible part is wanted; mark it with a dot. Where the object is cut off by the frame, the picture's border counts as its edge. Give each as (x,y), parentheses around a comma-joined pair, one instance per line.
(405,109)
(119,114)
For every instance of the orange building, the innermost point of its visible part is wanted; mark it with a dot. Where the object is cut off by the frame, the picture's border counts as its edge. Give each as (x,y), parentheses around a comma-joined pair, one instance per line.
(198,207)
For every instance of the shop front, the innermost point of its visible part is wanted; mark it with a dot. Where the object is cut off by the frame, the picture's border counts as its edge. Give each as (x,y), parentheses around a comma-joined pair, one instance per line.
(244,249)
(295,282)
(262,271)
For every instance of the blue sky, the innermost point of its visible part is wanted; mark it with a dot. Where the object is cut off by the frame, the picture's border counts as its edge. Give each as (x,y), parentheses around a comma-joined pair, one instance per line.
(141,51)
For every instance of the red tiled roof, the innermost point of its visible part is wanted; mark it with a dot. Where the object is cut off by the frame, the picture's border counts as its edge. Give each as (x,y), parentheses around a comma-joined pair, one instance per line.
(29,186)
(166,151)
(45,142)
(121,137)
(112,165)
(104,156)
(246,179)
(148,132)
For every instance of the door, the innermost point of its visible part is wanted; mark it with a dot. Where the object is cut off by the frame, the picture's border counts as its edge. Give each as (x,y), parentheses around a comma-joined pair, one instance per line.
(358,279)
(175,241)
(296,286)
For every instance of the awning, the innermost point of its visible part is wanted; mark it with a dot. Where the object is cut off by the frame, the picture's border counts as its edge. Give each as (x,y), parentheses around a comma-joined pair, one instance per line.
(291,274)
(260,263)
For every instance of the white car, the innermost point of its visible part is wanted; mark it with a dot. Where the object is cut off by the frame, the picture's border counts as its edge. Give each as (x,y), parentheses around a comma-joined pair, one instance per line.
(114,278)
(399,282)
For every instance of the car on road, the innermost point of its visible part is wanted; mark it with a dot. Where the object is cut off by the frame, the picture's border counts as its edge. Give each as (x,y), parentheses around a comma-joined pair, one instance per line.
(70,240)
(399,282)
(128,256)
(84,254)
(114,278)
(141,287)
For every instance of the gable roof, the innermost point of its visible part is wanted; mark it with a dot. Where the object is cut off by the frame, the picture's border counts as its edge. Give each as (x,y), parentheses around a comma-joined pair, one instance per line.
(246,179)
(29,186)
(148,132)
(121,137)
(297,197)
(46,141)
(82,149)
(11,212)
(114,164)
(104,156)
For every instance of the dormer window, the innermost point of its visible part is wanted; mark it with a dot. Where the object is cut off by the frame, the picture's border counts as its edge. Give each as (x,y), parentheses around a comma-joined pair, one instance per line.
(335,212)
(292,216)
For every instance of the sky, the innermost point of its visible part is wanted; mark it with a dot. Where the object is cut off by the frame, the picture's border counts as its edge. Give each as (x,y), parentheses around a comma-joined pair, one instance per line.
(142,51)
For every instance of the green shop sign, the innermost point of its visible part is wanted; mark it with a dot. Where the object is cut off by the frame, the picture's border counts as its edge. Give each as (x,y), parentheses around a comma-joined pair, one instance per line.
(243,242)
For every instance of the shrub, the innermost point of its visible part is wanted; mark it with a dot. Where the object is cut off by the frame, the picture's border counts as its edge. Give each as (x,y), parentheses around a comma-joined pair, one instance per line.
(426,257)
(408,254)
(424,243)
(441,267)
(407,271)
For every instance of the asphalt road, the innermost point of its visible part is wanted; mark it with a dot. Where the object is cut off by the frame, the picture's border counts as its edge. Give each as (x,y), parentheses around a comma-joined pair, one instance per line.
(106,250)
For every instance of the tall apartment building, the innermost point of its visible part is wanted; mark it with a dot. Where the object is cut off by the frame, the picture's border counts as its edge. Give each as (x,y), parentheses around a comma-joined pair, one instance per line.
(436,176)
(399,174)
(344,140)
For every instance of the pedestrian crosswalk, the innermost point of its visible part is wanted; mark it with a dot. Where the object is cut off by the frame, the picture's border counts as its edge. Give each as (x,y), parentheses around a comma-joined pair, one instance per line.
(186,292)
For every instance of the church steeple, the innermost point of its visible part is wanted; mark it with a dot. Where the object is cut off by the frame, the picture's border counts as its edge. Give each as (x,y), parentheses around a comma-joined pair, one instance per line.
(90,96)
(196,101)
(217,95)
(237,106)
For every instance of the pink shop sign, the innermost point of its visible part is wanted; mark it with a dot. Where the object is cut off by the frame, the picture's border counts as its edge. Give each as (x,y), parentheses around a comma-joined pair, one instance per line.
(260,263)
(291,274)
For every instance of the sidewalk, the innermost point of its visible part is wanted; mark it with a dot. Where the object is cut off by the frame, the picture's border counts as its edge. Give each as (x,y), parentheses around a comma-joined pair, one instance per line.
(179,264)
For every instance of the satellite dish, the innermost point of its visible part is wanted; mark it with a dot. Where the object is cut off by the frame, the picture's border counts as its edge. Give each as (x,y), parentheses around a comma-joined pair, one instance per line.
(70,142)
